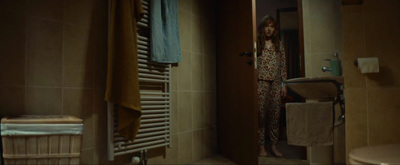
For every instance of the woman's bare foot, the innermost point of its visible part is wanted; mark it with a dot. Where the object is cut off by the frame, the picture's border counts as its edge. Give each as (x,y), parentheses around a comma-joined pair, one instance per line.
(275,151)
(262,151)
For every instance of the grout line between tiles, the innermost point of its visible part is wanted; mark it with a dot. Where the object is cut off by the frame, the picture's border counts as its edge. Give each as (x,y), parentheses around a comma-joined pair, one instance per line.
(62,60)
(26,57)
(366,80)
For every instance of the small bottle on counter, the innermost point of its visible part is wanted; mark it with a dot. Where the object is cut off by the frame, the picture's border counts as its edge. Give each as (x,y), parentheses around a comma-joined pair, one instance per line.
(336,65)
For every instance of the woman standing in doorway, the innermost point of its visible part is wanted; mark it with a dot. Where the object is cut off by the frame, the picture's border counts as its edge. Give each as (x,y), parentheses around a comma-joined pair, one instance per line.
(271,73)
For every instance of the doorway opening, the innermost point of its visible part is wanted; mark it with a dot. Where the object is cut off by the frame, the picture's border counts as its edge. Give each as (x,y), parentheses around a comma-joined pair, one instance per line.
(288,16)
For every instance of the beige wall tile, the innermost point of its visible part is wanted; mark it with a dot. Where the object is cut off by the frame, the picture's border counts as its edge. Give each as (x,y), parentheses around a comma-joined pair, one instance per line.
(171,153)
(78,57)
(320,154)
(198,145)
(337,32)
(99,20)
(100,118)
(87,156)
(209,77)
(353,78)
(306,28)
(197,33)
(98,42)
(339,143)
(198,7)
(326,8)
(353,46)
(185,147)
(185,29)
(88,133)
(374,6)
(321,34)
(378,123)
(13,30)
(379,26)
(351,10)
(185,71)
(12,101)
(78,12)
(198,110)
(78,102)
(12,70)
(210,141)
(210,110)
(383,112)
(209,9)
(99,46)
(388,75)
(14,6)
(210,41)
(308,65)
(174,78)
(386,78)
(155,156)
(325,26)
(49,9)
(43,101)
(185,5)
(13,49)
(100,71)
(175,112)
(185,111)
(197,72)
(356,118)
(44,53)
(101,157)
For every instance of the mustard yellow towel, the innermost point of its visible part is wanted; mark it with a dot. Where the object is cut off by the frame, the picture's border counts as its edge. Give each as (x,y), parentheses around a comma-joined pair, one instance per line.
(122,74)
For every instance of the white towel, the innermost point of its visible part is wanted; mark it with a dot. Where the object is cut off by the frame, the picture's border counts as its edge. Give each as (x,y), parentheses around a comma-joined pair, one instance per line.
(309,124)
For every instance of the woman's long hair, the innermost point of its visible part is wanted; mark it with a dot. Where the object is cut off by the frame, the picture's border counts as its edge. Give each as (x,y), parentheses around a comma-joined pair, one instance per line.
(261,36)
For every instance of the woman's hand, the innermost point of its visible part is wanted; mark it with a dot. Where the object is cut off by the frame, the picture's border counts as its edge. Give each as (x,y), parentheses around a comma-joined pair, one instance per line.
(284,91)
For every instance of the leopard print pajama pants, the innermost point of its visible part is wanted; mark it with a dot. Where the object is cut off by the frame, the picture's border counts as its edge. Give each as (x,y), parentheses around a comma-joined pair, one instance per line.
(269,99)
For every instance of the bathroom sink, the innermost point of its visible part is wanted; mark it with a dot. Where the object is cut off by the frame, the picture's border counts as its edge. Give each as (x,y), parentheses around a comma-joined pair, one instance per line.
(316,88)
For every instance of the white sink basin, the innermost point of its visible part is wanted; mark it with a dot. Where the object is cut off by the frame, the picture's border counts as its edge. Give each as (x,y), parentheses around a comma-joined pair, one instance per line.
(316,88)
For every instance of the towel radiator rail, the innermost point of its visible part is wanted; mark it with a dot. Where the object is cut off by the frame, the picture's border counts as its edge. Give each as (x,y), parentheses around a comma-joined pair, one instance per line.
(154,82)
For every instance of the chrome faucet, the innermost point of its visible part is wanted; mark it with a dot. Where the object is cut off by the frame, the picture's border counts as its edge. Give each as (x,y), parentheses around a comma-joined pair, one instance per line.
(324,69)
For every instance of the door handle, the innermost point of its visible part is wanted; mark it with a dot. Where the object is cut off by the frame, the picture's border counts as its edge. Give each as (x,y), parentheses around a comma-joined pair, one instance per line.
(249,54)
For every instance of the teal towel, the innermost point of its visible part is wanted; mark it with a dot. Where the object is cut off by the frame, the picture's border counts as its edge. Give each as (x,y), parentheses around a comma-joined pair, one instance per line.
(165,41)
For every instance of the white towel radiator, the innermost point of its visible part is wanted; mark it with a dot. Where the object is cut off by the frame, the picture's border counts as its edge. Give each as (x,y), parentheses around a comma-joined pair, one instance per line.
(154,81)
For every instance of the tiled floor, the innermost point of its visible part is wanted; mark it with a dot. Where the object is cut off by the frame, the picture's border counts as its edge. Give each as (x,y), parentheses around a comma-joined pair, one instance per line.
(274,160)
(292,155)
(219,160)
(290,151)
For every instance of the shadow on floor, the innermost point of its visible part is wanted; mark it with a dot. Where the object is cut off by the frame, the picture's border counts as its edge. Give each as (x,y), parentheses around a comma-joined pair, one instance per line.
(292,155)
(274,160)
(217,160)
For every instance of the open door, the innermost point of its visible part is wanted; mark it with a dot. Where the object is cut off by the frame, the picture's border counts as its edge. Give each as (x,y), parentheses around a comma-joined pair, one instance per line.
(236,81)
